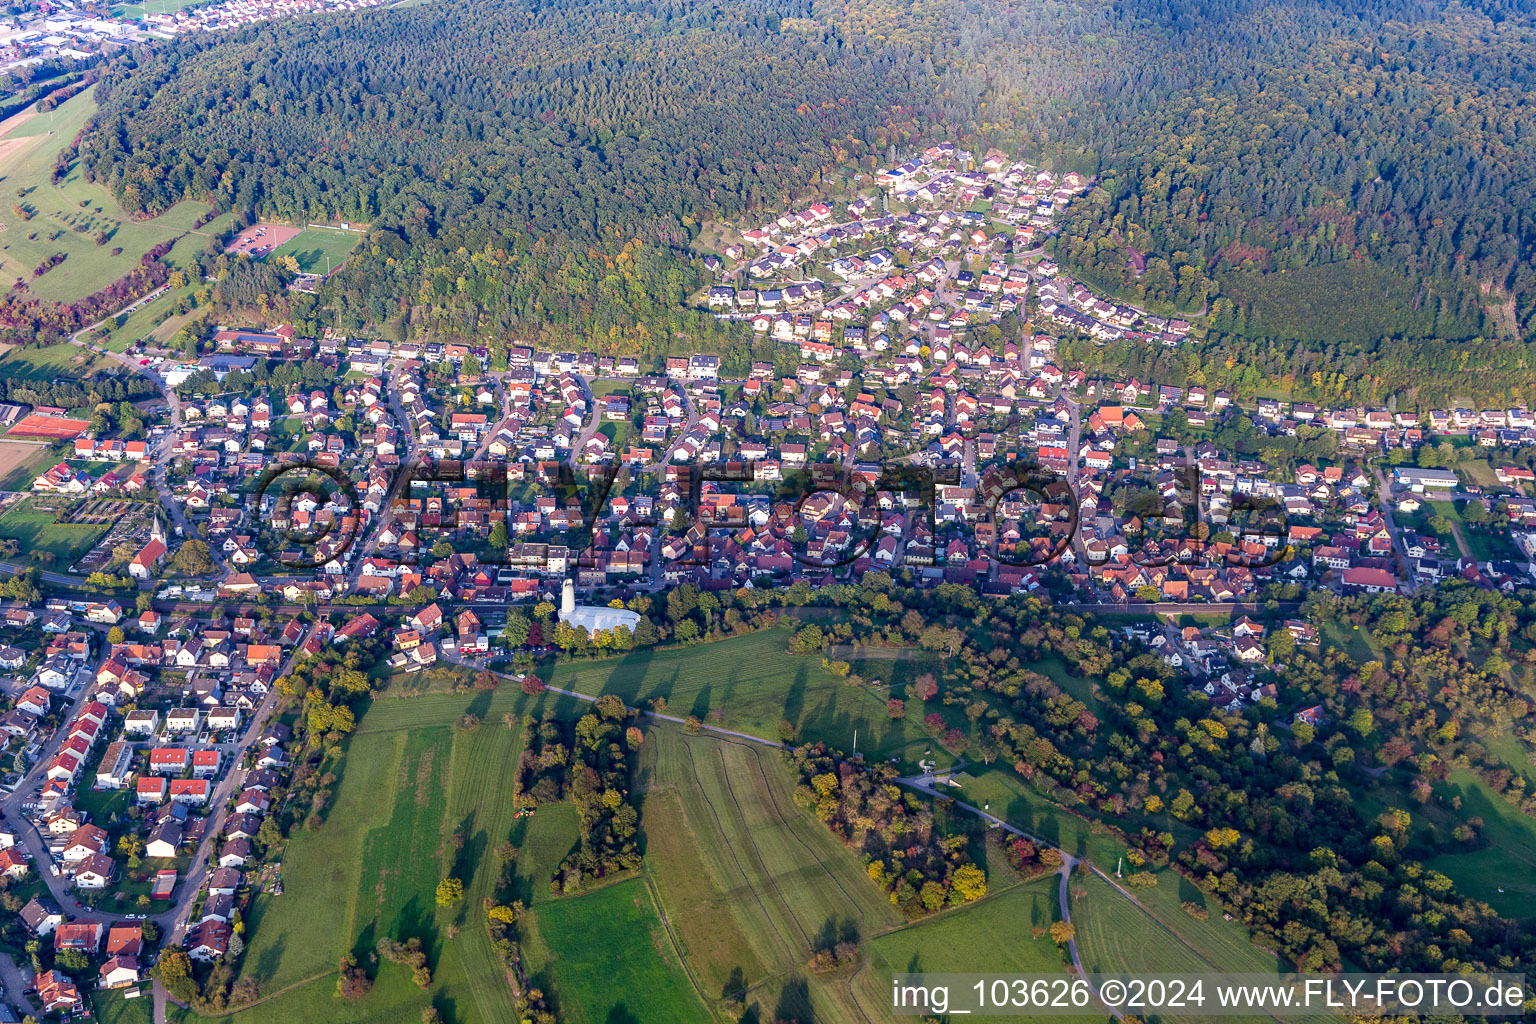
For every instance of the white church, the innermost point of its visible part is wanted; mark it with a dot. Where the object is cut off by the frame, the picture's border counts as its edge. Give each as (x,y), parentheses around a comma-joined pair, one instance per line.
(591,616)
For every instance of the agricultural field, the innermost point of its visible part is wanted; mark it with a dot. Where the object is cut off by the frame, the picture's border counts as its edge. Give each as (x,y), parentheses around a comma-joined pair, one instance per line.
(370,869)
(996,934)
(76,218)
(776,883)
(637,976)
(319,250)
(21,462)
(1116,934)
(38,530)
(739,886)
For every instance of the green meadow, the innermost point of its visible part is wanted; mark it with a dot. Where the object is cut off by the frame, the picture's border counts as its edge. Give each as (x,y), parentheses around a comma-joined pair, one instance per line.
(76,218)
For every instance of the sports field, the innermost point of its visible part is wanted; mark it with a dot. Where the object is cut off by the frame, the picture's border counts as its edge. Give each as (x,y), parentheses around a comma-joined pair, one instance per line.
(137,11)
(48,428)
(319,250)
(258,240)
(75,218)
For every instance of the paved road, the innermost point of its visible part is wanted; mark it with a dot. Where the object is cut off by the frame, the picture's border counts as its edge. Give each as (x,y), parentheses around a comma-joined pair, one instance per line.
(1399,551)
(26,833)
(233,780)
(176,929)
(162,451)
(407,427)
(15,984)
(1068,861)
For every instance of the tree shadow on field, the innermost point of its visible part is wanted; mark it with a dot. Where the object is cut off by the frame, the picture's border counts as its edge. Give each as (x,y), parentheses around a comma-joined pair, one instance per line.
(794,698)
(481,705)
(833,931)
(416,921)
(447,1008)
(700,709)
(267,964)
(620,1014)
(794,1001)
(629,675)
(363,945)
(471,846)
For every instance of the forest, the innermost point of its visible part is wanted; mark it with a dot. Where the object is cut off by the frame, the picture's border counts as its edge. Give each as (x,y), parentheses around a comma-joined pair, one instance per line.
(540,168)
(523,167)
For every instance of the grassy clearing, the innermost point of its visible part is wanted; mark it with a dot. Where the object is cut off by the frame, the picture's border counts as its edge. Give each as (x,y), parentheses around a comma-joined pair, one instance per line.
(37,531)
(69,217)
(49,361)
(312,247)
(748,684)
(1503,872)
(1004,794)
(291,937)
(113,1007)
(148,319)
(1479,472)
(1516,755)
(1352,641)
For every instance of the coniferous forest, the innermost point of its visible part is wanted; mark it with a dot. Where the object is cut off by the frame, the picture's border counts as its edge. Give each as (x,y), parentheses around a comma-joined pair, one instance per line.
(539,168)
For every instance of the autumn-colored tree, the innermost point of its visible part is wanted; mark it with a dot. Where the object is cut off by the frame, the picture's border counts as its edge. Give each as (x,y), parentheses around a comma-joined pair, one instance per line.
(449,891)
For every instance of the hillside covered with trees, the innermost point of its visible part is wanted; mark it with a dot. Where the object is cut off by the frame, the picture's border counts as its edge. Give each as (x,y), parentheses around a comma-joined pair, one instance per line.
(541,167)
